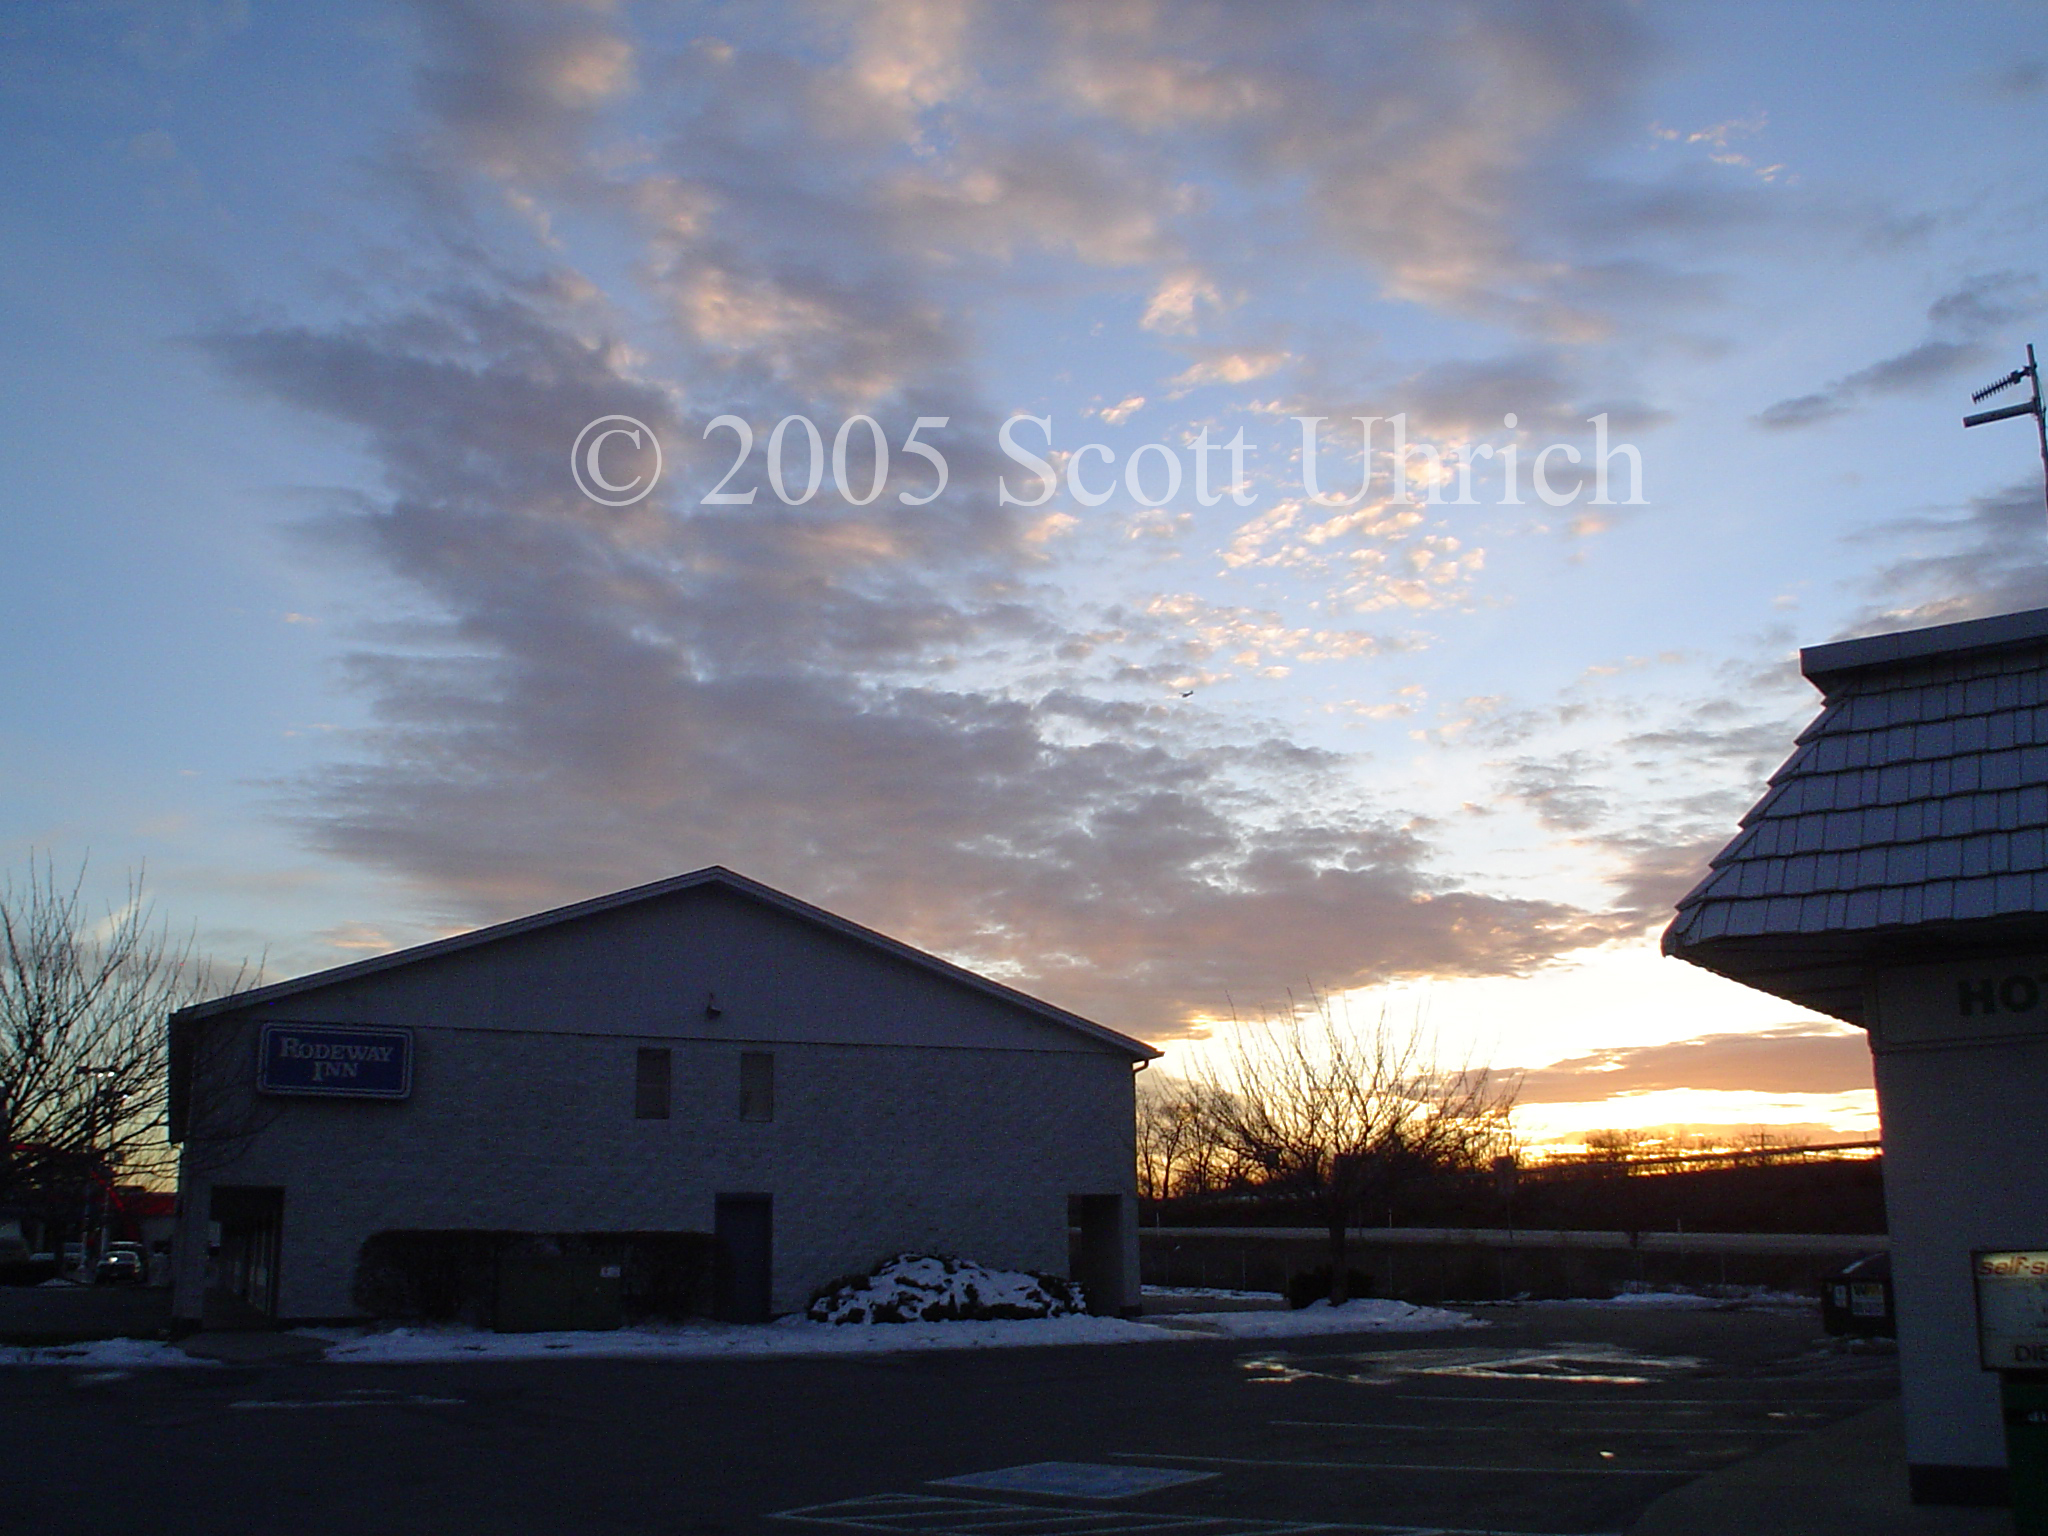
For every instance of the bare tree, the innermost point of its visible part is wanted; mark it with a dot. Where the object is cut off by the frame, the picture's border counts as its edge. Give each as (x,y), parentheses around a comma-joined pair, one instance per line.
(1619,1146)
(1760,1145)
(1180,1149)
(84,1053)
(1345,1116)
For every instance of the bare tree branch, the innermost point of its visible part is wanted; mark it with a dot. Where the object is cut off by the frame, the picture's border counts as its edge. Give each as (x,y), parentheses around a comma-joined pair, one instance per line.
(1343,1116)
(84,1055)
(1180,1150)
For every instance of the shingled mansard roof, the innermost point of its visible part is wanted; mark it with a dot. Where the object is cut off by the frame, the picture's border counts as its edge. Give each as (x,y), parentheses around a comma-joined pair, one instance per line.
(1911,821)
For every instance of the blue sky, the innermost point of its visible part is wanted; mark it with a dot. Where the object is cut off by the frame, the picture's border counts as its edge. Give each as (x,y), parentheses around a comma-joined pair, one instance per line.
(305,307)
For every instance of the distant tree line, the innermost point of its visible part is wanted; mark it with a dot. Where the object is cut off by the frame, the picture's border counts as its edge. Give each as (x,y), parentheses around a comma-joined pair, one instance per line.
(1206,1153)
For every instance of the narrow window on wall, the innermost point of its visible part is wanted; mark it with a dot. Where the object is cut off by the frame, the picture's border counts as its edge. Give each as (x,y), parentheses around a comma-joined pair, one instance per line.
(650,1085)
(757,1085)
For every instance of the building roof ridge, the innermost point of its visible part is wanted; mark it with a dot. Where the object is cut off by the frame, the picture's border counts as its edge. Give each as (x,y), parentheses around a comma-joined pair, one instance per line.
(712,875)
(1948,641)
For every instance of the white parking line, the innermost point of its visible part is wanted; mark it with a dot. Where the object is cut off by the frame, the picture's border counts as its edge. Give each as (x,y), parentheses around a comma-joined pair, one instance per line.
(1524,1429)
(930,1515)
(1641,1402)
(414,1401)
(903,1514)
(1074,1480)
(1403,1466)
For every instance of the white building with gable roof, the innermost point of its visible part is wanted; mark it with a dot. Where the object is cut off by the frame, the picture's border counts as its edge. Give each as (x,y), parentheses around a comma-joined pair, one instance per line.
(700,1059)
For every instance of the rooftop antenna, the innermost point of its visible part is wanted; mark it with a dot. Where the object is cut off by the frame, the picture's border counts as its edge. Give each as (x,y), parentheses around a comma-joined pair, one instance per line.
(2031,374)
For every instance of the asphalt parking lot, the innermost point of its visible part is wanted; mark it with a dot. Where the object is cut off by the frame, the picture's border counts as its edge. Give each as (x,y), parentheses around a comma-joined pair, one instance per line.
(1556,1419)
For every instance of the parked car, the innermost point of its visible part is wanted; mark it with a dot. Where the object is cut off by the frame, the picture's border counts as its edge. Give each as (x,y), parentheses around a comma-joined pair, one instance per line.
(121,1264)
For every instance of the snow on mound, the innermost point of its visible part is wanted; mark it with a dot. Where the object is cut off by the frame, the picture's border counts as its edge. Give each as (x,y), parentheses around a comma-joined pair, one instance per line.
(1362,1316)
(924,1288)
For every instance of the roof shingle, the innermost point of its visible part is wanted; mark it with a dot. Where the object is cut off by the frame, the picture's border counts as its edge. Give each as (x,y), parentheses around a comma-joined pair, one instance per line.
(1918,795)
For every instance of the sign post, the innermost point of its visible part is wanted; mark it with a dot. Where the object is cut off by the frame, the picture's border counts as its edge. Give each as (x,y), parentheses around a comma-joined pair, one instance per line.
(2012,1339)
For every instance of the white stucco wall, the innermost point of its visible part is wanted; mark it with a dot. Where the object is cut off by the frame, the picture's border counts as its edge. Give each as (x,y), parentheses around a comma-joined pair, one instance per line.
(1964,1100)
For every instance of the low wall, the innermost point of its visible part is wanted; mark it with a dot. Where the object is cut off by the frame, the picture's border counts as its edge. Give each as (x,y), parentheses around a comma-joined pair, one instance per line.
(67,1314)
(1432,1264)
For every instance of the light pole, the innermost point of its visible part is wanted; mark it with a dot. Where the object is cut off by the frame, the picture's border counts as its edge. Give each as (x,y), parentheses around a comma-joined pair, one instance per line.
(95,1077)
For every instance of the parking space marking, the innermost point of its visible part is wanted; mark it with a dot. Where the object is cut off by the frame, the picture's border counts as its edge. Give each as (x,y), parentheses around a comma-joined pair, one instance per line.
(1640,1402)
(1526,1429)
(1074,1480)
(923,1514)
(1399,1466)
(931,1515)
(361,1397)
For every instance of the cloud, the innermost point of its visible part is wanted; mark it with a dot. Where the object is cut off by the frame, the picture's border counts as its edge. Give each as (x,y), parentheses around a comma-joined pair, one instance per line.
(1558,791)
(1648,781)
(1433,144)
(883,708)
(907,711)
(2026,77)
(1719,141)
(1960,321)
(1376,556)
(1969,562)
(1228,367)
(1795,1058)
(1173,305)
(177,34)
(512,90)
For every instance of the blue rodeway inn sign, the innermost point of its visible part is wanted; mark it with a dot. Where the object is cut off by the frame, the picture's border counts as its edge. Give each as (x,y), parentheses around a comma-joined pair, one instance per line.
(341,1060)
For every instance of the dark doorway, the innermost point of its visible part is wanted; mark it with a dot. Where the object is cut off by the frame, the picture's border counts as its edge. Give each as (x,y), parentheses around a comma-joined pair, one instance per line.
(746,1257)
(242,1290)
(1096,1252)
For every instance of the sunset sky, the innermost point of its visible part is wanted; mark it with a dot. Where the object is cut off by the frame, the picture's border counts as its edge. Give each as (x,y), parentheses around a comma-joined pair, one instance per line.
(306,306)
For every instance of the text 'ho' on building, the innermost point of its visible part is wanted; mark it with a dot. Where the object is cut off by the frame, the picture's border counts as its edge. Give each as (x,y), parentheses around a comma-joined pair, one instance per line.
(1895,875)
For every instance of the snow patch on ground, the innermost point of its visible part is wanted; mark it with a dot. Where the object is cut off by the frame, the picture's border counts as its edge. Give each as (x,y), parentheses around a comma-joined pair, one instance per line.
(1704,1298)
(802,1336)
(1210,1293)
(925,1288)
(790,1336)
(103,1354)
(1365,1315)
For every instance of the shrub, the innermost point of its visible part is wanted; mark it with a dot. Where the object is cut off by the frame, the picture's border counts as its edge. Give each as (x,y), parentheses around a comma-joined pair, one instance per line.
(1307,1286)
(932,1288)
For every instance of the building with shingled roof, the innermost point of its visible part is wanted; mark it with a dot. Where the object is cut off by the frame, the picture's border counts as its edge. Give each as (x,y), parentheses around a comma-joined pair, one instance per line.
(1895,875)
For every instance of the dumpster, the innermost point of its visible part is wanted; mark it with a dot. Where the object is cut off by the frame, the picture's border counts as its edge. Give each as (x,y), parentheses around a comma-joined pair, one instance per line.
(539,1292)
(1857,1299)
